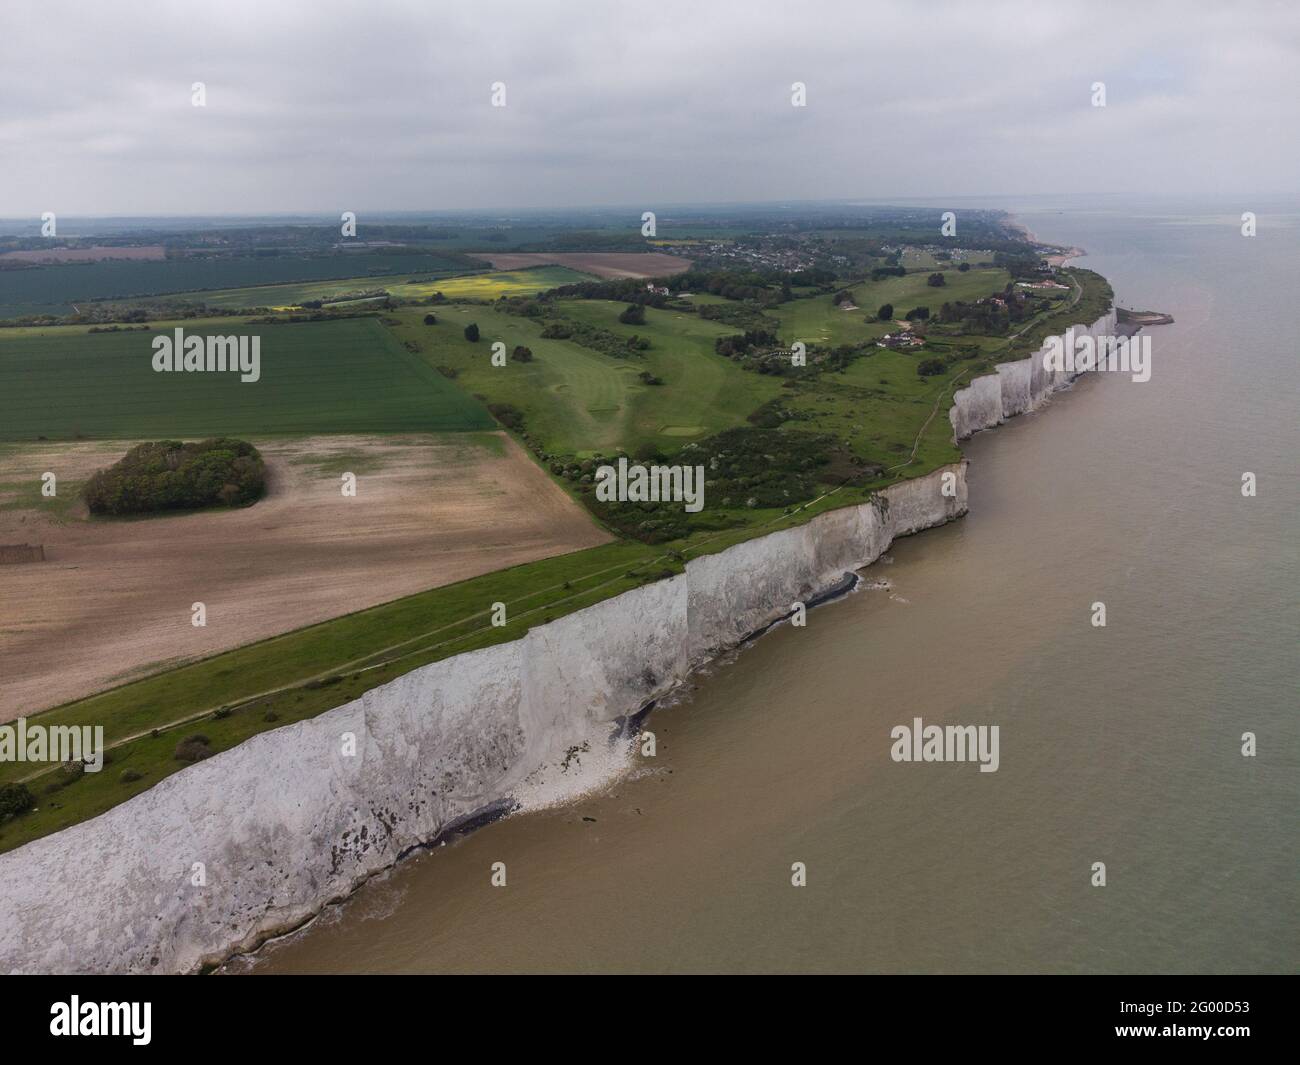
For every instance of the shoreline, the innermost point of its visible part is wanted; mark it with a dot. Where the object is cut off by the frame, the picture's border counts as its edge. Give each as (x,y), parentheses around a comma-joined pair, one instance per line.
(1056,259)
(630,726)
(487,724)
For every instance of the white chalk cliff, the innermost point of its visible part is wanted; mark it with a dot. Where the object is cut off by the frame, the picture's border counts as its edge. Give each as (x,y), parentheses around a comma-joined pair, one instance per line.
(1017,387)
(285,823)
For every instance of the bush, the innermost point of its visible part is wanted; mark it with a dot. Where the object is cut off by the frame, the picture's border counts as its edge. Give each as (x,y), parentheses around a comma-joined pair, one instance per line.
(634,315)
(522,354)
(471,332)
(130,776)
(193,749)
(430,319)
(886,312)
(15,799)
(930,367)
(935,281)
(963,267)
(509,416)
(170,475)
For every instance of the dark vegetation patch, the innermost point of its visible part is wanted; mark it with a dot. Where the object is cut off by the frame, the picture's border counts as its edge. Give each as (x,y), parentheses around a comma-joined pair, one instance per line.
(744,469)
(171,475)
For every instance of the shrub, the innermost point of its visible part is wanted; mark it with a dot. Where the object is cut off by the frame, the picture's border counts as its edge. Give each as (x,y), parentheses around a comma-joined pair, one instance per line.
(886,312)
(634,315)
(130,776)
(522,354)
(935,281)
(930,367)
(471,332)
(509,416)
(193,749)
(15,799)
(170,475)
(430,319)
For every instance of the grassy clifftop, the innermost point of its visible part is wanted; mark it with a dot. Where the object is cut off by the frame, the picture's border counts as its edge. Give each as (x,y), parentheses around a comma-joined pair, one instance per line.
(881,419)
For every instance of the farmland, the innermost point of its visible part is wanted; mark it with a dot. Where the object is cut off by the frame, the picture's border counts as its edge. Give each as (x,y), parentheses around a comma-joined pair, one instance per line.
(481,286)
(882,420)
(111,601)
(54,289)
(321,377)
(597,263)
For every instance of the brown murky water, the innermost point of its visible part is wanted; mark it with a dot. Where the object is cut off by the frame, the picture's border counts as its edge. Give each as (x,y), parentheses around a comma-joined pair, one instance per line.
(1120,745)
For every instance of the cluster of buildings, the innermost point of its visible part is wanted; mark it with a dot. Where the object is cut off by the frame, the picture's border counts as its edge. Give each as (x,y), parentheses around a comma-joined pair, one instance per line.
(902,339)
(768,255)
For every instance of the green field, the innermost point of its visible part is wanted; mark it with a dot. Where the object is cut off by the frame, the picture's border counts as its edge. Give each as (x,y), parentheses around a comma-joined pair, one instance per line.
(54,289)
(488,285)
(343,376)
(575,400)
(581,402)
(818,321)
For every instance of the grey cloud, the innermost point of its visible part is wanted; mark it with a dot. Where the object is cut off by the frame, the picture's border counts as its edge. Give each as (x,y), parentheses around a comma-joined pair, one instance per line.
(385,105)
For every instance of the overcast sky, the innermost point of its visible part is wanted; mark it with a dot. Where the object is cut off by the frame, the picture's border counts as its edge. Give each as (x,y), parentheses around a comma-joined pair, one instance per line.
(319,106)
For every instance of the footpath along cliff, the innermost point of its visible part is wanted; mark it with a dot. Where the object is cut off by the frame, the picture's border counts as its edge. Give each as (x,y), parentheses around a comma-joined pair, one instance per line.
(254,841)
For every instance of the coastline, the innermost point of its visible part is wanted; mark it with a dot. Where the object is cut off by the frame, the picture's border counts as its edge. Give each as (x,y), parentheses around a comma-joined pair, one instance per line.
(1056,259)
(442,746)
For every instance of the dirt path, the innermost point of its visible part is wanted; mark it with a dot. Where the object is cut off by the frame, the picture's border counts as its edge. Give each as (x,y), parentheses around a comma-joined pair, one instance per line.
(113,600)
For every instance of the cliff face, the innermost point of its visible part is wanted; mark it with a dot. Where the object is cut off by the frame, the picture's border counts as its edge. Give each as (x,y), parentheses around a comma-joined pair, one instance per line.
(1016,387)
(253,841)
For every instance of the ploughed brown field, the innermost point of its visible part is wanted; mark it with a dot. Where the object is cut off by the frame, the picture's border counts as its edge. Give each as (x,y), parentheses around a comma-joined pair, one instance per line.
(86,255)
(599,263)
(112,600)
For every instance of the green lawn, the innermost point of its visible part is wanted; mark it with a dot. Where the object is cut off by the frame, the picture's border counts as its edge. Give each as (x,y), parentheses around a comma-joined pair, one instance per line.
(818,321)
(877,406)
(318,377)
(581,402)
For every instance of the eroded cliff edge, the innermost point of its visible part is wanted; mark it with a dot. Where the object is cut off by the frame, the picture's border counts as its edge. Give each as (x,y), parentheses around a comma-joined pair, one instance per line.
(285,823)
